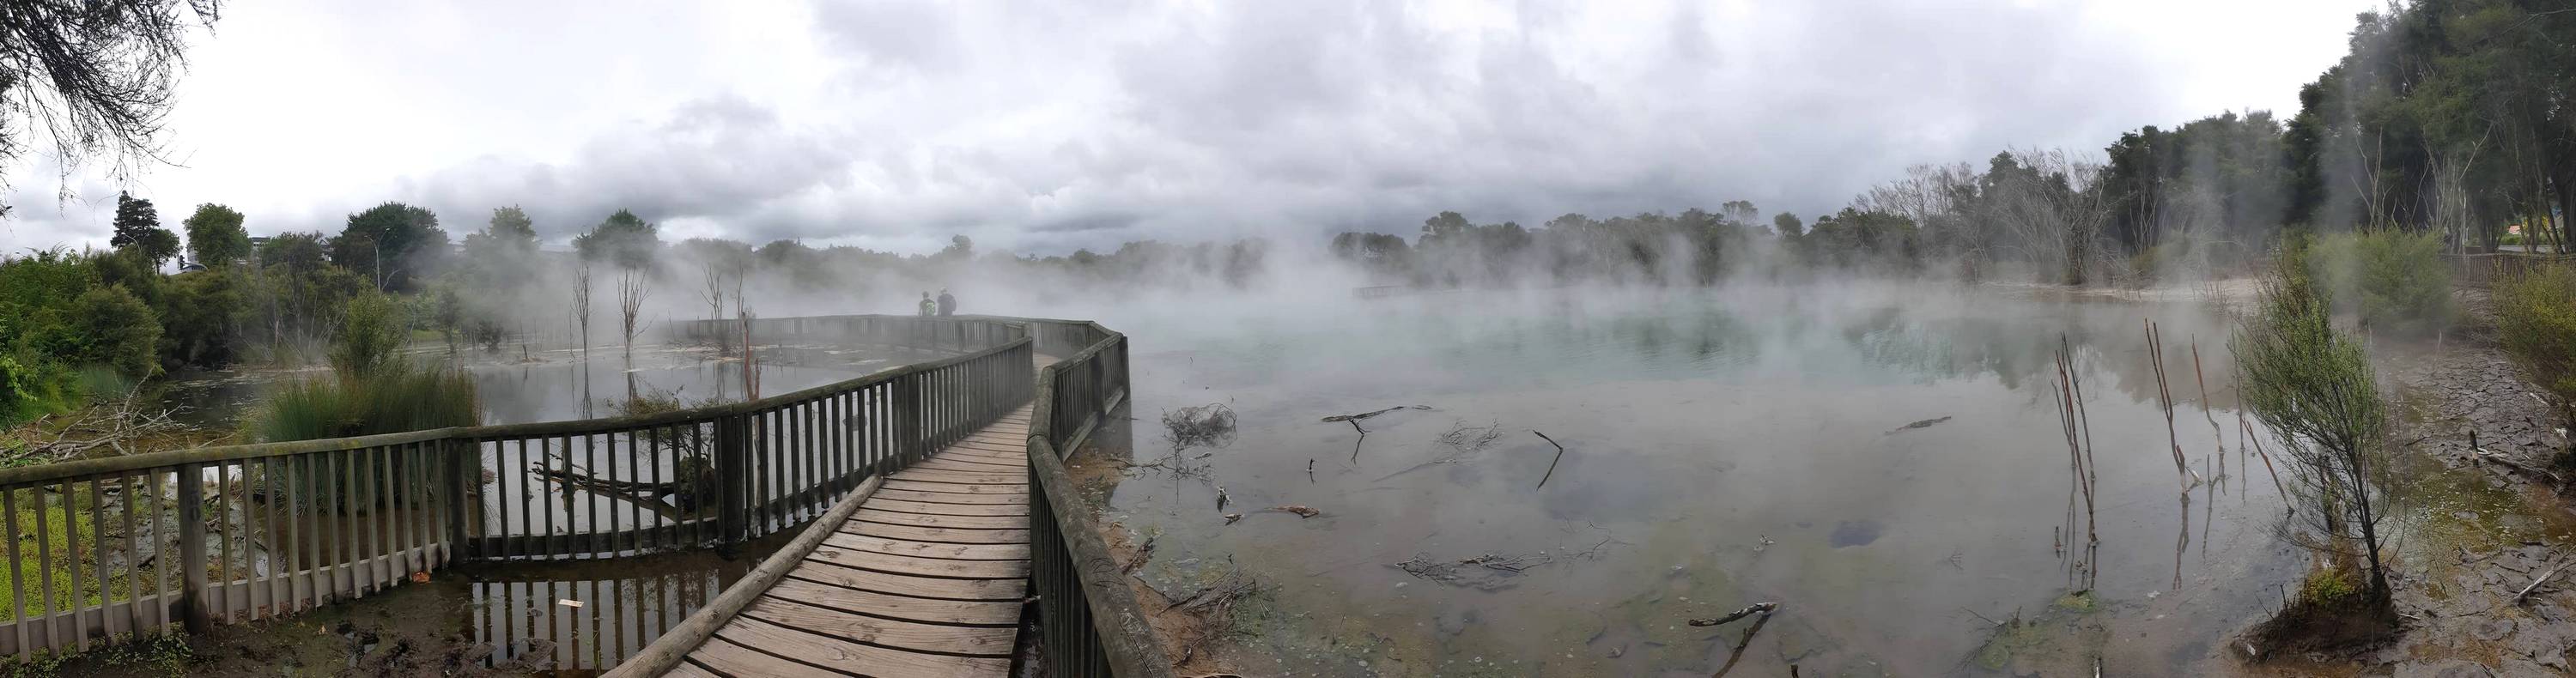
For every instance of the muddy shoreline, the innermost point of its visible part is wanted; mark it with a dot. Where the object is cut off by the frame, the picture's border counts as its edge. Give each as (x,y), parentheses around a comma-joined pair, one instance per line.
(2500,534)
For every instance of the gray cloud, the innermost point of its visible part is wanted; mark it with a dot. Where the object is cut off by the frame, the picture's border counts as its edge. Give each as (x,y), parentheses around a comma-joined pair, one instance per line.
(1059,125)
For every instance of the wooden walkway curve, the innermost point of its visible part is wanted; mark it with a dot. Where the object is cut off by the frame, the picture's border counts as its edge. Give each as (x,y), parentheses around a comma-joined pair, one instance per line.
(926,577)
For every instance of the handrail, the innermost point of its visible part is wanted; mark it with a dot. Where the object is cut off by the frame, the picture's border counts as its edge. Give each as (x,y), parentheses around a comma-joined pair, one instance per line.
(276,528)
(1106,633)
(82,468)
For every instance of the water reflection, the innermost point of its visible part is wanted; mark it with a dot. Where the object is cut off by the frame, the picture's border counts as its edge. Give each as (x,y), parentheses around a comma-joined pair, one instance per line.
(1733,446)
(584,618)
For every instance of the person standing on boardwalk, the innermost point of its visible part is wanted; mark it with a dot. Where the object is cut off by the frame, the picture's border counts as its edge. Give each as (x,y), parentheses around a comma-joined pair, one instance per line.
(928,307)
(947,304)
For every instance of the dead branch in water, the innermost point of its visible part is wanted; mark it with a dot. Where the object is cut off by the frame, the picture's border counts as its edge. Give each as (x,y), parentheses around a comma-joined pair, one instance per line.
(1464,441)
(2216,435)
(1747,641)
(1490,571)
(1749,610)
(1365,415)
(2077,429)
(2248,428)
(2164,399)
(1354,420)
(1551,462)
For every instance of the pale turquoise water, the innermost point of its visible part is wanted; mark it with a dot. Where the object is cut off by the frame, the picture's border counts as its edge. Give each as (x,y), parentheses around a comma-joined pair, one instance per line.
(1725,447)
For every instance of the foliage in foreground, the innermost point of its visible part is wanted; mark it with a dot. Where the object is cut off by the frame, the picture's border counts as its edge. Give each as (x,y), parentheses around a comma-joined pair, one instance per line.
(2536,319)
(2395,281)
(2314,388)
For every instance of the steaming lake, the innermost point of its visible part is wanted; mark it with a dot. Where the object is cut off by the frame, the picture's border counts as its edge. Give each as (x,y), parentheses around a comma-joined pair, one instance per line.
(1723,447)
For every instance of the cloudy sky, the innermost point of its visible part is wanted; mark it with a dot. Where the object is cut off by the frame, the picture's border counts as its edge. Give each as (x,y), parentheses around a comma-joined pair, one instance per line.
(1046,126)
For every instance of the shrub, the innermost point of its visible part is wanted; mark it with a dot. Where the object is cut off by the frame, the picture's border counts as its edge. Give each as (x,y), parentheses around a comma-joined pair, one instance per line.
(2536,319)
(370,331)
(109,326)
(2315,389)
(2395,281)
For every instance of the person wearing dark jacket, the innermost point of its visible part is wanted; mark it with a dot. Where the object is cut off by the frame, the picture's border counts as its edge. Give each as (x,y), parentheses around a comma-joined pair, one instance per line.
(947,304)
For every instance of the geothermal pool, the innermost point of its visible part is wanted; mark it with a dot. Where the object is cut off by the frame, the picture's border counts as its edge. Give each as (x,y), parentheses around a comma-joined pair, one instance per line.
(1723,448)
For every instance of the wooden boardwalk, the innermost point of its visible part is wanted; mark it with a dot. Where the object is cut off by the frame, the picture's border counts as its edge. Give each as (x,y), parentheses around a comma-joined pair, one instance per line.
(926,578)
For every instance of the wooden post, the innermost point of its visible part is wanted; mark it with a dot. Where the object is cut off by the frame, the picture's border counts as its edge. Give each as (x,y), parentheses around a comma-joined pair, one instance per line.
(192,549)
(464,468)
(733,438)
(907,419)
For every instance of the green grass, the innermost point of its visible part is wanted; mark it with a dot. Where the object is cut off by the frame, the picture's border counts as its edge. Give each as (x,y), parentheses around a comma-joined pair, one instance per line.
(74,574)
(395,397)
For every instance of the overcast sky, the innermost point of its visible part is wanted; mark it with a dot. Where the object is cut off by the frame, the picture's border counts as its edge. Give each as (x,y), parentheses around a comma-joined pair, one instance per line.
(1045,126)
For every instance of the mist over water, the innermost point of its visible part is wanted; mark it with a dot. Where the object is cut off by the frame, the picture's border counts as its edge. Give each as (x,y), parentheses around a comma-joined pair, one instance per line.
(1724,446)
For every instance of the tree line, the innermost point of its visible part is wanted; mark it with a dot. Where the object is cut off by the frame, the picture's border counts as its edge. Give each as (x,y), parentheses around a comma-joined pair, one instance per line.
(2446,117)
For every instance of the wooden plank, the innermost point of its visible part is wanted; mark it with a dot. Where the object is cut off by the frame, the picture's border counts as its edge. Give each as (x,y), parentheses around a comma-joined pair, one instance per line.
(691,670)
(826,572)
(938,476)
(995,496)
(966,465)
(982,641)
(927,567)
(859,659)
(928,610)
(924,549)
(1005,440)
(729,656)
(940,534)
(955,488)
(970,448)
(950,509)
(1020,522)
(1017,462)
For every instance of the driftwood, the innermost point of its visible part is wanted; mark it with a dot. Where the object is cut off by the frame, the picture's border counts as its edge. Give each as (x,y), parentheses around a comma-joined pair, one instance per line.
(1560,455)
(2535,583)
(1365,415)
(115,423)
(1354,420)
(1764,608)
(1143,553)
(1927,423)
(2480,454)
(1747,641)
(1301,510)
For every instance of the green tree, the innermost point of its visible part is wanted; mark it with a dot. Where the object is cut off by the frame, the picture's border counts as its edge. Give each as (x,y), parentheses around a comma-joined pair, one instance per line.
(623,239)
(93,77)
(110,326)
(138,228)
(1788,225)
(510,230)
(390,244)
(216,237)
(295,250)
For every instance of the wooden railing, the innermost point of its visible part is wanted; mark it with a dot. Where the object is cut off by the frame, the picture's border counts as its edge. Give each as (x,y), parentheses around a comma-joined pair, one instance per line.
(265,530)
(1091,623)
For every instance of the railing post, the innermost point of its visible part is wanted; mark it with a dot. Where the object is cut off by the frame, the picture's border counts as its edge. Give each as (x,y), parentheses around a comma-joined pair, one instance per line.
(908,425)
(733,437)
(464,470)
(192,549)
